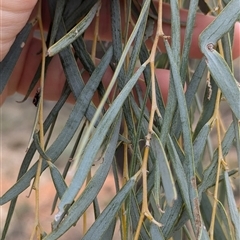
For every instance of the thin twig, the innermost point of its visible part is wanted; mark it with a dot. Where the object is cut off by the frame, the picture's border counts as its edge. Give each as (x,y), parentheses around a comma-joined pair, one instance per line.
(154,109)
(37,228)
(217,118)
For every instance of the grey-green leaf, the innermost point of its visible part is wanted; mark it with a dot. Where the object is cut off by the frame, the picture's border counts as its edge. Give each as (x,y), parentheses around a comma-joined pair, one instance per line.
(107,216)
(216,64)
(209,175)
(8,63)
(91,190)
(234,213)
(165,172)
(156,233)
(96,141)
(73,34)
(181,177)
(58,180)
(25,177)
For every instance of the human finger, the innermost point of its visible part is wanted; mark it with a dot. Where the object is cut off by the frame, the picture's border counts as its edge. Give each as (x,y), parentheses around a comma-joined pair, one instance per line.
(55,77)
(14,15)
(201,22)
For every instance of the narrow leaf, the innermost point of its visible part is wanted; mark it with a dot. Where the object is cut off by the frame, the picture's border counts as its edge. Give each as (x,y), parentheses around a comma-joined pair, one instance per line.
(217,66)
(72,35)
(71,71)
(15,190)
(237,137)
(188,147)
(90,192)
(200,143)
(181,178)
(8,63)
(224,79)
(206,210)
(23,177)
(165,172)
(96,141)
(73,122)
(134,211)
(234,213)
(100,226)
(171,215)
(209,175)
(190,93)
(209,104)
(193,7)
(58,180)
(60,4)
(156,232)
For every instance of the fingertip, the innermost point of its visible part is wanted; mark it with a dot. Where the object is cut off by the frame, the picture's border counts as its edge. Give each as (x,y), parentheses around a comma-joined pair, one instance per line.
(14,15)
(163,78)
(236,41)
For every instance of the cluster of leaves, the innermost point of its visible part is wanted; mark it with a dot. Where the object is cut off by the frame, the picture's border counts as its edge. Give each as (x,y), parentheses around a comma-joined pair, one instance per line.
(177,180)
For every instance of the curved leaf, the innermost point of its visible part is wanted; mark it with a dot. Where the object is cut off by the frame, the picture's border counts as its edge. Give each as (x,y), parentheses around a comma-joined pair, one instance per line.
(72,35)
(22,184)
(107,216)
(165,172)
(188,147)
(96,141)
(234,213)
(216,64)
(209,175)
(90,192)
(72,124)
(181,178)
(9,62)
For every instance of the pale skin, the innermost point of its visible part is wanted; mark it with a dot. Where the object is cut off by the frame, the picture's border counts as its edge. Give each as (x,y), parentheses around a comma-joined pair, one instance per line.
(15,14)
